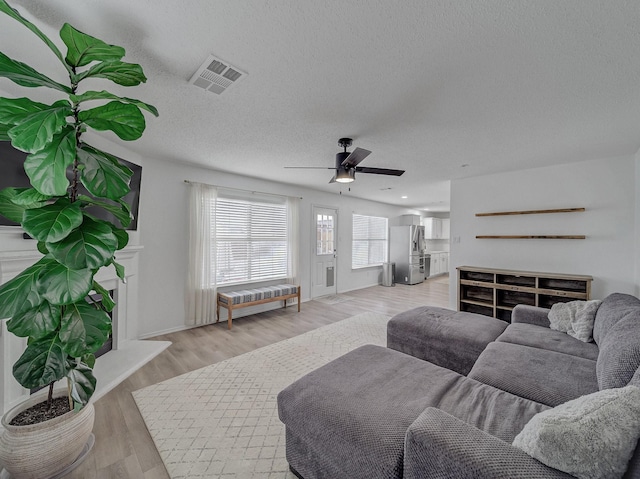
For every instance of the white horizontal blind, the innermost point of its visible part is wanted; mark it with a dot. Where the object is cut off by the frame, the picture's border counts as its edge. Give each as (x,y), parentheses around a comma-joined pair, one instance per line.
(370,241)
(250,240)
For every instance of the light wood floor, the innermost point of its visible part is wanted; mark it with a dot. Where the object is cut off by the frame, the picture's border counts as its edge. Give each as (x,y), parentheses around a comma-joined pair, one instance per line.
(124,448)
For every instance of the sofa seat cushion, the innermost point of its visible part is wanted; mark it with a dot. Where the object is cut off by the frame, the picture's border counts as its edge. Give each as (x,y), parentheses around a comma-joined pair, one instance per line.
(545,338)
(450,339)
(540,375)
(349,417)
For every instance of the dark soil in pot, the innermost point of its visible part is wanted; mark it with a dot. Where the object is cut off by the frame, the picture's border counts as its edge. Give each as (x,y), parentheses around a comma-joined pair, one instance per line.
(40,412)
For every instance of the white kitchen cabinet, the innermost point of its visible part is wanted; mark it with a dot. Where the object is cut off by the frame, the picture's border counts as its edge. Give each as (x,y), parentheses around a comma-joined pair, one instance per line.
(435,264)
(436,228)
(432,228)
(446,228)
(439,263)
(408,220)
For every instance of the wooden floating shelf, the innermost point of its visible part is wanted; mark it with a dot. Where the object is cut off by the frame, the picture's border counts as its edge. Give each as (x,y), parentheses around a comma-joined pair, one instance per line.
(531,237)
(532,212)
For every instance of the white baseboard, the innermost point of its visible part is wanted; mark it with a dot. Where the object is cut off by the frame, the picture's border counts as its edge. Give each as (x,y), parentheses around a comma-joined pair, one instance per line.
(223,318)
(359,287)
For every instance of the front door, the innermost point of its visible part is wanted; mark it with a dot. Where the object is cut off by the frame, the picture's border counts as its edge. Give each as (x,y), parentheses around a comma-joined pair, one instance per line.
(323,281)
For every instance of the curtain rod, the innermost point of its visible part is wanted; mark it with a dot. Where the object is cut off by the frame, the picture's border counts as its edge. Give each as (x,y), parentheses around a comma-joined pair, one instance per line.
(239,189)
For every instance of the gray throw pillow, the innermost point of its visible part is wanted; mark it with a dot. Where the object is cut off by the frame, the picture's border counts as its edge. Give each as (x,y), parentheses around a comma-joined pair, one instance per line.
(590,437)
(575,318)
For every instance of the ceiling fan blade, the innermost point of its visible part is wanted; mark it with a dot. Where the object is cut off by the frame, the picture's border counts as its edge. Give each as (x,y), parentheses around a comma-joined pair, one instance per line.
(379,171)
(355,157)
(313,167)
(332,180)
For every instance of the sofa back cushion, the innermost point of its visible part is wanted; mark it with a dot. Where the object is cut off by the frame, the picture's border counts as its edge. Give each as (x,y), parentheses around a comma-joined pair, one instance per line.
(612,309)
(619,355)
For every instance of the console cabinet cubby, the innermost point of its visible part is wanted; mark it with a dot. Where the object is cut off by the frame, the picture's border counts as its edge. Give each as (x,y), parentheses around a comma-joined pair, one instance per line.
(495,292)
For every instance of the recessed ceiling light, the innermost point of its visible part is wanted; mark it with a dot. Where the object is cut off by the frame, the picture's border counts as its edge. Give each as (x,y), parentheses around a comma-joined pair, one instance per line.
(404,197)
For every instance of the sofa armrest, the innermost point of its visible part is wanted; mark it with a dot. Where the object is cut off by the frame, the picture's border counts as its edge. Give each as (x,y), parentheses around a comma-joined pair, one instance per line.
(524,313)
(438,446)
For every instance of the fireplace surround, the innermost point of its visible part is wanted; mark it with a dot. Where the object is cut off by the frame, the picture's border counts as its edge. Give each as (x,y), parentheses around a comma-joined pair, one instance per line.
(127,354)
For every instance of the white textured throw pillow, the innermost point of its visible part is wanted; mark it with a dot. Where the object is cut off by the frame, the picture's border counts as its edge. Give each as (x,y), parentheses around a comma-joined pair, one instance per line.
(575,318)
(591,437)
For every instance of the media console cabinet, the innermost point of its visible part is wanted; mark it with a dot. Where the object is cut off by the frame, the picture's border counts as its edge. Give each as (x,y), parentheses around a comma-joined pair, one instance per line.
(495,292)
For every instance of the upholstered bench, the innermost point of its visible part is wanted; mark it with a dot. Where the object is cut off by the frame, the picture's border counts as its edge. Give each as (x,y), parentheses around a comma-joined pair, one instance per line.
(250,297)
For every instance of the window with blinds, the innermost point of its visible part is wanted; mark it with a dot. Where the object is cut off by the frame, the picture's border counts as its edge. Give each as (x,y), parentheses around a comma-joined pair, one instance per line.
(250,240)
(370,241)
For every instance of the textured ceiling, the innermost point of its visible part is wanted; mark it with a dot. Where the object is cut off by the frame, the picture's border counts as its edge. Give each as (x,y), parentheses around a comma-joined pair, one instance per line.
(428,86)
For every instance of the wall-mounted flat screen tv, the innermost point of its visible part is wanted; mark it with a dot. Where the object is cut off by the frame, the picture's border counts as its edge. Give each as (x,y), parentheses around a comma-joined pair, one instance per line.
(12,174)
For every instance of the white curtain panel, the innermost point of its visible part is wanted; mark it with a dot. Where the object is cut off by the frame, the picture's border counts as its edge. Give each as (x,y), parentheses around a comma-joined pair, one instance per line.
(200,296)
(293,240)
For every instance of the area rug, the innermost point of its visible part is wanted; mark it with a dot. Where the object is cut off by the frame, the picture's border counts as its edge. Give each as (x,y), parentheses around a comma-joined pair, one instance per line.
(333,299)
(221,421)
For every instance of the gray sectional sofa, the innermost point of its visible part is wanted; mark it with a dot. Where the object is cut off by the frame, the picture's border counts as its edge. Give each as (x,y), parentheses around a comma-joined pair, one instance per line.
(450,393)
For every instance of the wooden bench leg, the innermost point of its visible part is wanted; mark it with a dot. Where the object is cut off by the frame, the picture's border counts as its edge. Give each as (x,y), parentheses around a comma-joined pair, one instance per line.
(229,319)
(217,311)
(298,300)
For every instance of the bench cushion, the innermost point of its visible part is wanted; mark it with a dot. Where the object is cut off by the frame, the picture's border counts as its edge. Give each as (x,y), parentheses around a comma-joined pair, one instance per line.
(257,294)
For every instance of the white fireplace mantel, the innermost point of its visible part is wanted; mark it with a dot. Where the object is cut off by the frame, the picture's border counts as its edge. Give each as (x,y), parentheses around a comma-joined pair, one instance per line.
(128,353)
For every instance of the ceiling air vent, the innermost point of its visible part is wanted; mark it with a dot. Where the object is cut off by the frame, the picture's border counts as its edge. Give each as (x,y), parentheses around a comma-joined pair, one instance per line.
(216,75)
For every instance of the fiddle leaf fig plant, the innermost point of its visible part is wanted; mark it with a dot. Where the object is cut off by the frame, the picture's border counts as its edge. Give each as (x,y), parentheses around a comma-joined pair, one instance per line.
(48,302)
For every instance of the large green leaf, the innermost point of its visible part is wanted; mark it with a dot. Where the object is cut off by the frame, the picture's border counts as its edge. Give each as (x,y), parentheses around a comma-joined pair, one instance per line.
(24,75)
(124,119)
(91,245)
(106,302)
(61,285)
(102,175)
(21,293)
(47,169)
(89,360)
(84,329)
(54,222)
(35,131)
(83,49)
(121,210)
(30,198)
(42,247)
(15,110)
(105,95)
(8,208)
(121,235)
(4,132)
(82,382)
(36,322)
(119,271)
(13,13)
(42,363)
(122,73)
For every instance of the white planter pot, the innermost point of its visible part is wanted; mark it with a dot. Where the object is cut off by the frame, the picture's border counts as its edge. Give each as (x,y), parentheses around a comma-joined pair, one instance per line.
(43,450)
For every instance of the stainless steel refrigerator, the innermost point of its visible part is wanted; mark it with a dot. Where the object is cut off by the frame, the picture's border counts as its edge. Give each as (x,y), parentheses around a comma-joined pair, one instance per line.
(406,250)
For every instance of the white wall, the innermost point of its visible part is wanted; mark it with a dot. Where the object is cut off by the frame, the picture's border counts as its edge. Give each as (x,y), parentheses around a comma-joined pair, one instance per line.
(637,234)
(606,188)
(164,234)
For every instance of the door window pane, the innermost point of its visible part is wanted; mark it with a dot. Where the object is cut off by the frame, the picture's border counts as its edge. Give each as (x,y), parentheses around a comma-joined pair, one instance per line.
(324,234)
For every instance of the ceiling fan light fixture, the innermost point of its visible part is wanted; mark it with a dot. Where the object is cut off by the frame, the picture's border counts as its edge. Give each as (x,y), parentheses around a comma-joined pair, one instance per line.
(344,175)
